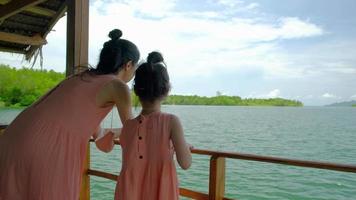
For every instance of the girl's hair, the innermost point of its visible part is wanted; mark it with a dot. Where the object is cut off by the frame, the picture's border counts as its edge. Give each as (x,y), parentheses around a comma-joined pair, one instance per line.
(151,80)
(115,53)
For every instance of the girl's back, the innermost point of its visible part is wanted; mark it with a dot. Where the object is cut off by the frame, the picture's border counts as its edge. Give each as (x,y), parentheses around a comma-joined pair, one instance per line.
(148,169)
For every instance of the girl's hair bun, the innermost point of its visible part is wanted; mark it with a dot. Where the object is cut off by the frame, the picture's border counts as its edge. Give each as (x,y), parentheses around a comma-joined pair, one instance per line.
(154,57)
(115,34)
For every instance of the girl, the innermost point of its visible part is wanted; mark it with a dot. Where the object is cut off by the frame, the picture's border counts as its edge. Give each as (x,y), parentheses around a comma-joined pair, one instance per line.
(148,171)
(43,149)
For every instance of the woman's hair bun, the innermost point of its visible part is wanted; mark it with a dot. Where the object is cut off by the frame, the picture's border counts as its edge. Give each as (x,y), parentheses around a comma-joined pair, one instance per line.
(115,34)
(154,57)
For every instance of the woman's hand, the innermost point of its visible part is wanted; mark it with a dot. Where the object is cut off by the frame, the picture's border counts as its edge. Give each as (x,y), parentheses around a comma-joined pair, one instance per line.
(116,132)
(191,147)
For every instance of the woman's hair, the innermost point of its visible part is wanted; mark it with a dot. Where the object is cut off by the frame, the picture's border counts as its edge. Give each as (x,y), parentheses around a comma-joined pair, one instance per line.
(151,80)
(115,53)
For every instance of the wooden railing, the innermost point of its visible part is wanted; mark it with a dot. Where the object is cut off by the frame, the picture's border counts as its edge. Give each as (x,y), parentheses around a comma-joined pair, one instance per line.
(216,171)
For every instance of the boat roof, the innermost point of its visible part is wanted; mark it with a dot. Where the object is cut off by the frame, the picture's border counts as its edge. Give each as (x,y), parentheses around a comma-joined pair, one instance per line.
(25,24)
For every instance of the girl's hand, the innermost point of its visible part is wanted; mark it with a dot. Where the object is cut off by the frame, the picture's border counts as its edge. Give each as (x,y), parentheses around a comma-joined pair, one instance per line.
(191,147)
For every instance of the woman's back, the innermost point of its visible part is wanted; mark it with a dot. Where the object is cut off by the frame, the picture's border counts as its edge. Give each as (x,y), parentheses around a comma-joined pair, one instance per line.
(148,170)
(73,102)
(43,148)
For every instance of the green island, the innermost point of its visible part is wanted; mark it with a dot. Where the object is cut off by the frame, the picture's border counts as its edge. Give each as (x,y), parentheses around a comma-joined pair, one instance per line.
(21,87)
(354,105)
(228,101)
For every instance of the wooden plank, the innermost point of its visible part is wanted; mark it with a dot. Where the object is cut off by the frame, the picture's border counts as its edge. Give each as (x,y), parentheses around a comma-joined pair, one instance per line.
(16,6)
(283,161)
(2,2)
(41,11)
(77,35)
(53,22)
(217,178)
(85,185)
(182,191)
(101,174)
(277,160)
(193,194)
(10,50)
(34,9)
(36,40)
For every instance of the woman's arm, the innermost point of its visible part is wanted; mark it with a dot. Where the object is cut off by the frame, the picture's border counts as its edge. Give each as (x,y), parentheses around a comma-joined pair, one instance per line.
(121,96)
(104,138)
(182,149)
(116,92)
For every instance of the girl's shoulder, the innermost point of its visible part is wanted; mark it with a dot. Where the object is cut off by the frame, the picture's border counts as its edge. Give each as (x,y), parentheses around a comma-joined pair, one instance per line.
(170,119)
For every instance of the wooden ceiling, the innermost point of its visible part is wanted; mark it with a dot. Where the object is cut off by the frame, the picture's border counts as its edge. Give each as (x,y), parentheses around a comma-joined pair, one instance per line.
(24,24)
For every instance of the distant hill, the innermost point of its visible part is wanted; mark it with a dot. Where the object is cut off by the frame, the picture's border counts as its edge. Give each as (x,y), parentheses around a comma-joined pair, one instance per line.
(345,104)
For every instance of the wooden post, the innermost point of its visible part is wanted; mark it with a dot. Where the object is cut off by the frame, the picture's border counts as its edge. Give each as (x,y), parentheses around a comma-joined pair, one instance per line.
(77,56)
(2,129)
(77,35)
(217,178)
(85,187)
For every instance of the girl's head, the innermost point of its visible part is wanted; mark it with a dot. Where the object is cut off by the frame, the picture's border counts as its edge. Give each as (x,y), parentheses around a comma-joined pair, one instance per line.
(151,80)
(118,56)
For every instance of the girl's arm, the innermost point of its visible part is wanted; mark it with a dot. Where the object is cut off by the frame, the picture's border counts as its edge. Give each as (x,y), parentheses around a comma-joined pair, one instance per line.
(182,149)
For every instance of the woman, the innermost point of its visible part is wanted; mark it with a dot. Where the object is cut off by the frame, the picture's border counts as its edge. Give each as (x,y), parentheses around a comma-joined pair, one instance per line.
(43,149)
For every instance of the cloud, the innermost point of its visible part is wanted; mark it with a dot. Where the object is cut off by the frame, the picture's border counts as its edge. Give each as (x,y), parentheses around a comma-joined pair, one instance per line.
(275,93)
(293,27)
(201,39)
(237,5)
(230,3)
(353,97)
(328,95)
(152,8)
(205,42)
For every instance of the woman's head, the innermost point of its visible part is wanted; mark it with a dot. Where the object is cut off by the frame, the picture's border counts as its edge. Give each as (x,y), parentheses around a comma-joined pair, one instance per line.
(118,55)
(151,80)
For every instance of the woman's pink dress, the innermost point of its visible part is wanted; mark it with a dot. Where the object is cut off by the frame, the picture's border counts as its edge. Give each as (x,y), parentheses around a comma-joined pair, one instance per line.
(43,149)
(148,170)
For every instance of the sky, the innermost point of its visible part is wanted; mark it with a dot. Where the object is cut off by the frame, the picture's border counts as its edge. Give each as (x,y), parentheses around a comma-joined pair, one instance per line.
(294,49)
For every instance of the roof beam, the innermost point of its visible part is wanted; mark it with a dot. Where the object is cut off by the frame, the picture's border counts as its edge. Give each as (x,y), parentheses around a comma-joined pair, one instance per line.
(20,39)
(4,1)
(35,9)
(54,20)
(10,50)
(41,11)
(15,6)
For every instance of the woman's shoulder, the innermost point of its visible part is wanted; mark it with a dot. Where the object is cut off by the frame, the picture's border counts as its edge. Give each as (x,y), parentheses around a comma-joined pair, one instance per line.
(118,84)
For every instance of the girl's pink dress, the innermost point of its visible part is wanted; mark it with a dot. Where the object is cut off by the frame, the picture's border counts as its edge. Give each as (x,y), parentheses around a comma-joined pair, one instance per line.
(148,170)
(42,151)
